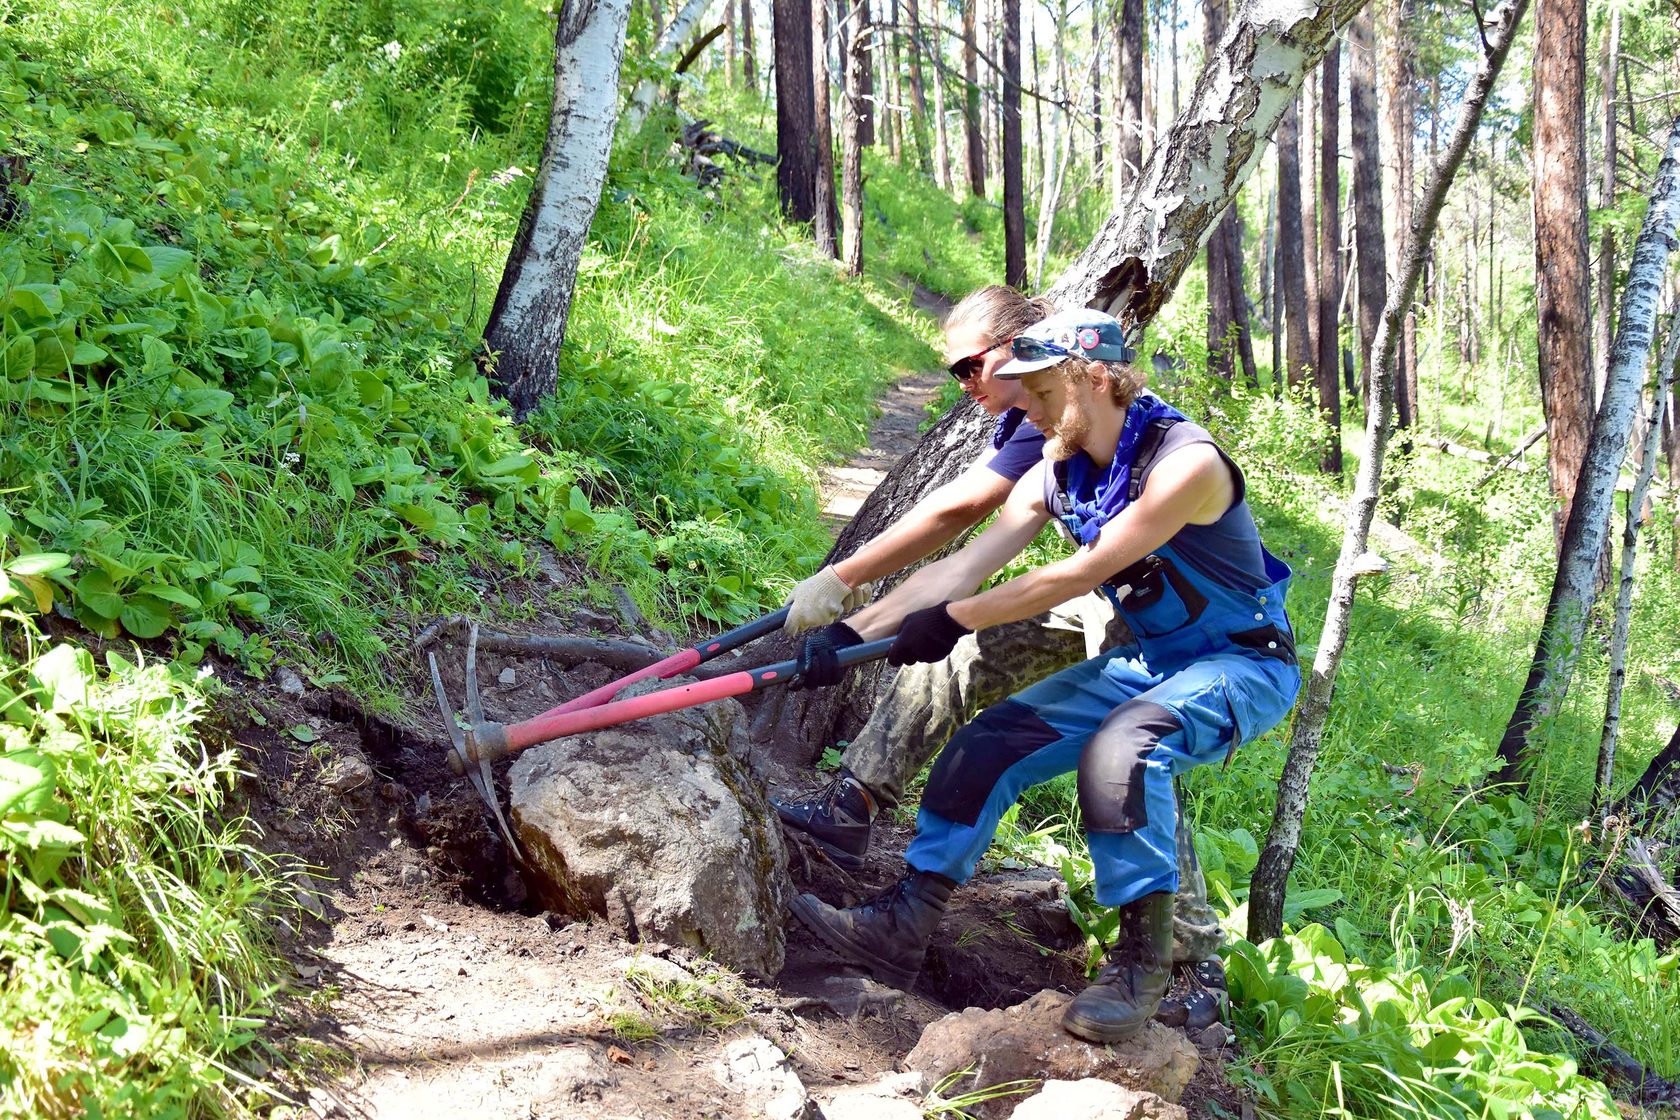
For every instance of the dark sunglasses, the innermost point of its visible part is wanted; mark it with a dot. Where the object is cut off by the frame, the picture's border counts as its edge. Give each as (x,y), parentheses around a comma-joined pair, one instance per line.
(1032,350)
(964,369)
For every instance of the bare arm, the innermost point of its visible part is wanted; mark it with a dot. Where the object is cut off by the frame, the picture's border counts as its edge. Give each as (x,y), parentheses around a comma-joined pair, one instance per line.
(931,524)
(960,573)
(1193,485)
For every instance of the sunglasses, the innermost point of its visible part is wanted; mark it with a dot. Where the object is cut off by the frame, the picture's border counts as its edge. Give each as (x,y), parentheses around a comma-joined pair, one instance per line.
(964,369)
(1032,350)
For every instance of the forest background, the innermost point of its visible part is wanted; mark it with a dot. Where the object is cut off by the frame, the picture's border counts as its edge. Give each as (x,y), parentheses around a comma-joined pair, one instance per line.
(249,252)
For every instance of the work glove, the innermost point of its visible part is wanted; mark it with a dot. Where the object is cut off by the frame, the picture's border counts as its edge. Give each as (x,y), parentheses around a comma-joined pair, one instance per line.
(819,658)
(926,636)
(821,599)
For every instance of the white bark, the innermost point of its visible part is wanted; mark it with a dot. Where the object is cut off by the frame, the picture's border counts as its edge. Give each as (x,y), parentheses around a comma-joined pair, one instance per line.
(1630,540)
(1271,874)
(1132,265)
(1575,587)
(941,134)
(641,101)
(528,321)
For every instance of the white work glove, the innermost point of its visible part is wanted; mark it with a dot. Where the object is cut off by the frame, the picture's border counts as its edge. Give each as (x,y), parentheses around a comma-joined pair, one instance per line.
(821,599)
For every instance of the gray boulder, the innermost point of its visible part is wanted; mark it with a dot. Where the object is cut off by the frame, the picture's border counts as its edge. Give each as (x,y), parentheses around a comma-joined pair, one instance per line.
(760,1081)
(660,827)
(1027,1042)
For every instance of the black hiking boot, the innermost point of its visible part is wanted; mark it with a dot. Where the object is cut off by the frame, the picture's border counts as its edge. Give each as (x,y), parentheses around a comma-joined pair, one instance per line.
(889,934)
(1127,991)
(1203,1002)
(836,817)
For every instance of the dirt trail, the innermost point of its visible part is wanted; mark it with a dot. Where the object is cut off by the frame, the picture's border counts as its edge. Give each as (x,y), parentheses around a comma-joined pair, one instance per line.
(429,985)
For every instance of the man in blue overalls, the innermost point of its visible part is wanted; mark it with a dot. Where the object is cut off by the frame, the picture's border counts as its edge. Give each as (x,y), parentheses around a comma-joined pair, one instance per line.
(1157,512)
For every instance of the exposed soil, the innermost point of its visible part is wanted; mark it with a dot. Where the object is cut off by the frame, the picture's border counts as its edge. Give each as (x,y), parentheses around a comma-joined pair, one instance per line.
(428,983)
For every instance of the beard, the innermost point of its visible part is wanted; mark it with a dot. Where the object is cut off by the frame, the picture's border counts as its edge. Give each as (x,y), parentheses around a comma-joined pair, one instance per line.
(1065,440)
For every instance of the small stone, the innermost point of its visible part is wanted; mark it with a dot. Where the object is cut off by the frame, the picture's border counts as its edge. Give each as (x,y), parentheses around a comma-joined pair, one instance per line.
(290,683)
(350,773)
(1215,1036)
(434,923)
(507,676)
(390,791)
(412,875)
(423,806)
(323,1103)
(311,902)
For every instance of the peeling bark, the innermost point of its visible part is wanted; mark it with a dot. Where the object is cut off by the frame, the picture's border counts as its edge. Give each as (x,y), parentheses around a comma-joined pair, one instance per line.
(1014,192)
(796,114)
(1271,875)
(534,299)
(1575,587)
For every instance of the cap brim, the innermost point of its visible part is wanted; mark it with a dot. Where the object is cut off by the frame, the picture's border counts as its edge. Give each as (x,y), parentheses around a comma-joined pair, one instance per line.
(1016,368)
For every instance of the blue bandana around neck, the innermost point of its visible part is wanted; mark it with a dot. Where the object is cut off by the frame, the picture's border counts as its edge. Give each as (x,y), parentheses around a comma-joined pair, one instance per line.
(1108,489)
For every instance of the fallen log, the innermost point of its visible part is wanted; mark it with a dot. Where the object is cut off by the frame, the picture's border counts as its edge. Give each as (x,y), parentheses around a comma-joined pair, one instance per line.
(1610,1063)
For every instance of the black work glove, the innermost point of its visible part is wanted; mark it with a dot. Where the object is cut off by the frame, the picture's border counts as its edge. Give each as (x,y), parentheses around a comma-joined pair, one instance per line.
(926,636)
(819,657)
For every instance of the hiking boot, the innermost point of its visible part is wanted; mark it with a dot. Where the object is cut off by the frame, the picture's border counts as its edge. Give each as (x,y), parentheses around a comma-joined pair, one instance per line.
(836,817)
(889,934)
(1204,1000)
(1129,988)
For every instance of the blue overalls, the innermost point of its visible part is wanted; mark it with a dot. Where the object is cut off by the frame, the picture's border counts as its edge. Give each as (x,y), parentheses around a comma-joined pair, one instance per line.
(1213,666)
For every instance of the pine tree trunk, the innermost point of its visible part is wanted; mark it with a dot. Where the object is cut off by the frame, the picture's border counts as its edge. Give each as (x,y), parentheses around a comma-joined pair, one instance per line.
(1400,121)
(1096,98)
(749,59)
(918,89)
(863,38)
(1267,241)
(851,141)
(1575,587)
(826,225)
(729,42)
(971,103)
(1014,200)
(941,132)
(1329,260)
(1309,209)
(1292,255)
(1130,269)
(1220,318)
(796,153)
(534,299)
(1606,199)
(1231,229)
(1367,190)
(1647,449)
(1560,243)
(1270,881)
(1128,99)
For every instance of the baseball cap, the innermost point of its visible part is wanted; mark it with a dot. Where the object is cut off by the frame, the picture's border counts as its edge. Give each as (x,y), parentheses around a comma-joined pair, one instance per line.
(1079,333)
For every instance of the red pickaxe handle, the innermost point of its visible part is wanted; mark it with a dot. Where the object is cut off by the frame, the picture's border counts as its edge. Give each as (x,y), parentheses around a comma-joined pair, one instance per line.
(497,740)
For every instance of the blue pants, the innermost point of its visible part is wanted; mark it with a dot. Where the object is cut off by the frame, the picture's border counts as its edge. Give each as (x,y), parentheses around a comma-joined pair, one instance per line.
(1127,729)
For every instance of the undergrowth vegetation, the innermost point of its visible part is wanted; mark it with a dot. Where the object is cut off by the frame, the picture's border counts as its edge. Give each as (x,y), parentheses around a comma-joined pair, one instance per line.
(246,254)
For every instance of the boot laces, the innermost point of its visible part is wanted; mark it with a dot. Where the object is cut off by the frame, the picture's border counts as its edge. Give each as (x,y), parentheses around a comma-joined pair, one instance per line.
(822,800)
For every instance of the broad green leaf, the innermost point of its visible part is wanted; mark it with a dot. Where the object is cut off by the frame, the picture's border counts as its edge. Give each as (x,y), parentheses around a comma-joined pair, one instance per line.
(87,353)
(167,261)
(242,573)
(18,358)
(145,617)
(39,301)
(171,594)
(156,356)
(303,733)
(96,592)
(38,563)
(26,783)
(252,603)
(64,673)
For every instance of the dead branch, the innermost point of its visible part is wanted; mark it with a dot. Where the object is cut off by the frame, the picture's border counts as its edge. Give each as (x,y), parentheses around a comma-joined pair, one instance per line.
(1611,1062)
(568,650)
(1511,456)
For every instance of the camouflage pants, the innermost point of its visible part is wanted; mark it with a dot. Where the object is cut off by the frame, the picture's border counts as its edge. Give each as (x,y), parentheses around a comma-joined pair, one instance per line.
(926,704)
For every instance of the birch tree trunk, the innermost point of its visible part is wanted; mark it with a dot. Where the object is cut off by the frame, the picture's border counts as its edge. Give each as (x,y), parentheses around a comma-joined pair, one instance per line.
(1561,268)
(641,100)
(1271,875)
(863,38)
(1130,269)
(1630,541)
(1575,586)
(1014,194)
(534,299)
(749,57)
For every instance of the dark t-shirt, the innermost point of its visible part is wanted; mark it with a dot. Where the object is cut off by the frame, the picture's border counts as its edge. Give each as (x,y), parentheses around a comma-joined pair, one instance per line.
(1018,444)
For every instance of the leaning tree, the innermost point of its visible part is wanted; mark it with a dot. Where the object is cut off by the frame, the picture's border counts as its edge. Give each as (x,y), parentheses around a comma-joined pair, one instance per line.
(1129,269)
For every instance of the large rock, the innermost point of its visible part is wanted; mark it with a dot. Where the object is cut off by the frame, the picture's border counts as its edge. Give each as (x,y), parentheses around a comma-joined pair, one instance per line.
(892,1096)
(1092,1099)
(660,827)
(1027,1041)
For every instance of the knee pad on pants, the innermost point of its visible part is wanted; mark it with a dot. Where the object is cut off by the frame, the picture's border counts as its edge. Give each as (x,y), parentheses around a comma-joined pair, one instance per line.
(1113,765)
(977,756)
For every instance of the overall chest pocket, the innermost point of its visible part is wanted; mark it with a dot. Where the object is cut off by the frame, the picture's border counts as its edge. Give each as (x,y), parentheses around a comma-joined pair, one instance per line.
(1162,599)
